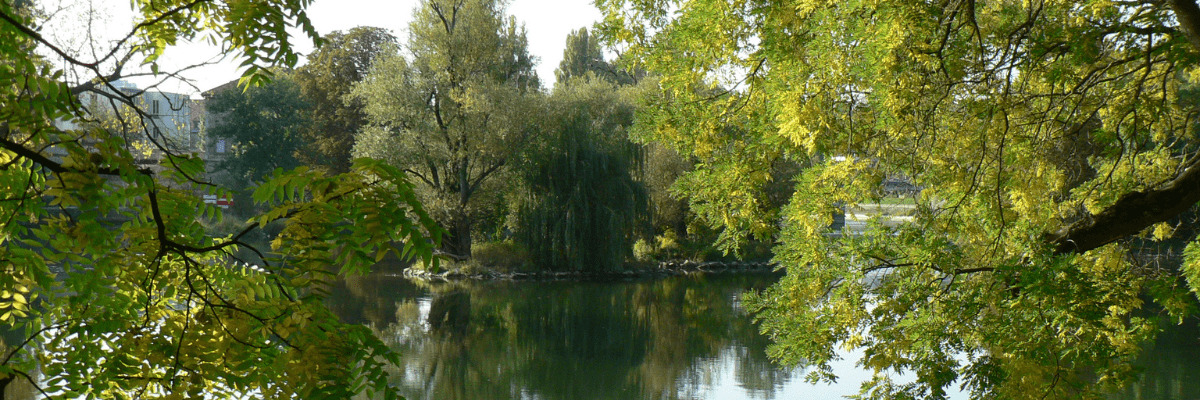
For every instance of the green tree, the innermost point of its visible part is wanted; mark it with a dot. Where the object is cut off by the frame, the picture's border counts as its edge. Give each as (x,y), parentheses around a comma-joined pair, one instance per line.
(584,54)
(110,282)
(326,80)
(456,114)
(662,166)
(263,126)
(1049,137)
(582,204)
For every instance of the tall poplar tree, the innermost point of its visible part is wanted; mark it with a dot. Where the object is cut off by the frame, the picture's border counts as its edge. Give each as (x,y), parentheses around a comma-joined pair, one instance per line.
(584,54)
(1051,140)
(455,111)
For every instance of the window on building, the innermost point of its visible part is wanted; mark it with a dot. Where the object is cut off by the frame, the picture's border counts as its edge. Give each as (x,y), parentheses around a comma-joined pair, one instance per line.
(195,125)
(220,145)
(154,107)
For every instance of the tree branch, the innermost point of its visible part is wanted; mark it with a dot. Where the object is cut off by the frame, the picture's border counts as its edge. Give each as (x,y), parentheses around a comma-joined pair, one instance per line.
(1188,15)
(1137,211)
(1132,213)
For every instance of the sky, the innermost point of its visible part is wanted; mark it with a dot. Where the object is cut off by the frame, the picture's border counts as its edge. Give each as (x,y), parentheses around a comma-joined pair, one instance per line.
(547,23)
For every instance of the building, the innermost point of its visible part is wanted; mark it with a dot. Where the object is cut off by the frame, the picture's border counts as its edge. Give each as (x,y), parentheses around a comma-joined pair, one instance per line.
(157,122)
(215,150)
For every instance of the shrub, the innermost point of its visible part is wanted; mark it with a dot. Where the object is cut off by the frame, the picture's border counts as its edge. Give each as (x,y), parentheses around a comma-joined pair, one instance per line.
(502,256)
(643,251)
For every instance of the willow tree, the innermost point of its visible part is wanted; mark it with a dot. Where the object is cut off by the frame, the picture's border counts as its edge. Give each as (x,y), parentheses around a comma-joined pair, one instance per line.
(1050,138)
(111,285)
(582,204)
(455,111)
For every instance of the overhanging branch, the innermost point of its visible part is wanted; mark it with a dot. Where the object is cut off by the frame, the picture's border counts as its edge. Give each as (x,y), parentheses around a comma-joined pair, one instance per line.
(1137,211)
(1131,214)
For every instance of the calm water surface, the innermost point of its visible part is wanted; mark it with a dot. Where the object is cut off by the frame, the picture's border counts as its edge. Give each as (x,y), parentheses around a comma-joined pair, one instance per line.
(670,338)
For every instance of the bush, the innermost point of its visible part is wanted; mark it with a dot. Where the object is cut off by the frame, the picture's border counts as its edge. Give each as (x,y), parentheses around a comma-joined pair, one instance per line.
(666,247)
(644,252)
(502,256)
(668,244)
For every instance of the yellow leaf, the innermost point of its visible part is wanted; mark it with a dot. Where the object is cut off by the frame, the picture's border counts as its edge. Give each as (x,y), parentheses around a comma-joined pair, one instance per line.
(1163,231)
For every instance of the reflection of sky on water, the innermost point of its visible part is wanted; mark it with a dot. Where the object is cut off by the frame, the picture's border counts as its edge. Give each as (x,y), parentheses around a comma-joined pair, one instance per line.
(725,386)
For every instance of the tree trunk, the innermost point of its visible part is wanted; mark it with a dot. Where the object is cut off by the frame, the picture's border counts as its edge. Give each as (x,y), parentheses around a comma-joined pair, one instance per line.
(450,312)
(458,243)
(4,385)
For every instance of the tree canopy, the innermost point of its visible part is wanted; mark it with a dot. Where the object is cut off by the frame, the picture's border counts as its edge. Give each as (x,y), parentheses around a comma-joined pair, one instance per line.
(584,55)
(1055,143)
(326,80)
(456,111)
(111,284)
(263,125)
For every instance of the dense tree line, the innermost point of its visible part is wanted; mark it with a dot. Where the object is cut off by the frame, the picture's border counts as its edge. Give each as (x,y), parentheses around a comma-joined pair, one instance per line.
(1047,168)
(1054,141)
(554,177)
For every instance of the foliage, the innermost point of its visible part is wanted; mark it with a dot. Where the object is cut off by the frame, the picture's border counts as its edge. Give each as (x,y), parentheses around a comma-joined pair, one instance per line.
(326,80)
(661,167)
(262,125)
(583,204)
(663,247)
(1047,135)
(643,251)
(455,113)
(502,256)
(583,55)
(110,281)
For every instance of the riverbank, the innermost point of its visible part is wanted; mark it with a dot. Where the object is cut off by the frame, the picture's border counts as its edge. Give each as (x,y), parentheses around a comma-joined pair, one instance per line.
(665,268)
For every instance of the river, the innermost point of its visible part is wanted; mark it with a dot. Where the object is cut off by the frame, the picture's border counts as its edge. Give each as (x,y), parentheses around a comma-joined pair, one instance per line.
(666,338)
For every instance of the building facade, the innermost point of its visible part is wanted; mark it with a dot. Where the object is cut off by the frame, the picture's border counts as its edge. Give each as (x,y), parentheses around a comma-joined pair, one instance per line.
(151,122)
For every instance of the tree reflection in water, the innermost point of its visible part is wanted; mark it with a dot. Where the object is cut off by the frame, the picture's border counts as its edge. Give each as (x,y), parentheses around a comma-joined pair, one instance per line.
(1171,366)
(664,339)
(674,338)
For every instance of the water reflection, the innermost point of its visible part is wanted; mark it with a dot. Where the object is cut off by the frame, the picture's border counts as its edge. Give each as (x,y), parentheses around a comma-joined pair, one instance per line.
(1171,366)
(675,338)
(666,339)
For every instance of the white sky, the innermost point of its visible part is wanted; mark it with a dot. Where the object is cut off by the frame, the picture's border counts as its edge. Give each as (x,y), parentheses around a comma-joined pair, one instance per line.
(547,23)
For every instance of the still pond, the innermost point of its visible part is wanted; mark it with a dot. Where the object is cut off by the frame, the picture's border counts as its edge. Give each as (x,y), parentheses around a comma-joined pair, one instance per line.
(667,338)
